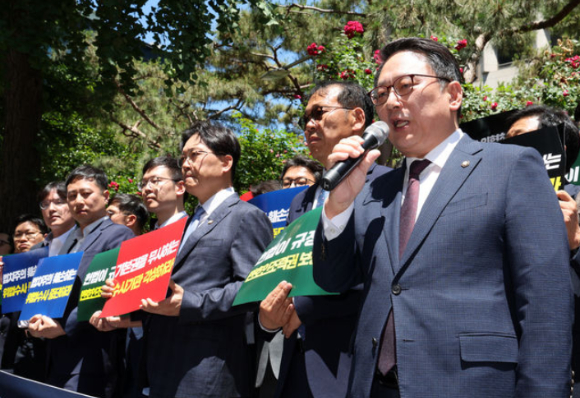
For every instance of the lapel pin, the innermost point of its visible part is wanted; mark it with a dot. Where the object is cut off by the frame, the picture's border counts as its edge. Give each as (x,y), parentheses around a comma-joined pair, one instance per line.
(465,163)
(209,222)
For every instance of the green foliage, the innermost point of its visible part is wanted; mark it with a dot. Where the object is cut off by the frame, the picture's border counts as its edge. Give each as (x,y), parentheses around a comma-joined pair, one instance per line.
(264,153)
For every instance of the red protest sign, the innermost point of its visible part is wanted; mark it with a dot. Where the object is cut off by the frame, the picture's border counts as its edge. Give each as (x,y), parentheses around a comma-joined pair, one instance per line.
(144,268)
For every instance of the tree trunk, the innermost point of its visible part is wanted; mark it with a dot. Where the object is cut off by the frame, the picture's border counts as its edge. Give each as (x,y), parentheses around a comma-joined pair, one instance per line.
(20,162)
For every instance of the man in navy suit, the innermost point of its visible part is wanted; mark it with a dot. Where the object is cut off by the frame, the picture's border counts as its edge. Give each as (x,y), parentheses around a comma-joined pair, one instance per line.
(80,357)
(195,341)
(464,263)
(316,357)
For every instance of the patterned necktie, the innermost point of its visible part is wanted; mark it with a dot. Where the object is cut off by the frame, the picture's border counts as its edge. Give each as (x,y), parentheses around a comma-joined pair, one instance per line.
(194,223)
(387,354)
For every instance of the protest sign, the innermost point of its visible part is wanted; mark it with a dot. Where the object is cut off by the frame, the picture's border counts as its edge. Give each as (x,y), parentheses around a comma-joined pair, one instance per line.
(289,258)
(548,142)
(492,128)
(144,268)
(276,204)
(18,272)
(51,286)
(12,386)
(101,268)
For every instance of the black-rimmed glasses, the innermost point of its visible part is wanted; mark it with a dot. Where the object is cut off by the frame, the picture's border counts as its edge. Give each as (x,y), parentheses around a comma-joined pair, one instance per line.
(190,157)
(154,182)
(403,86)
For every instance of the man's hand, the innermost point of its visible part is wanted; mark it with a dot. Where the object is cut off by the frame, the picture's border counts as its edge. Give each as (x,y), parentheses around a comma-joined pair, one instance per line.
(170,306)
(43,326)
(292,324)
(277,308)
(108,288)
(106,324)
(344,194)
(570,213)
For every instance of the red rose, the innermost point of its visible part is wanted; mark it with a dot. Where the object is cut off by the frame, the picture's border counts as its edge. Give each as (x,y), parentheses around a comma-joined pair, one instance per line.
(461,44)
(130,180)
(346,74)
(377,57)
(313,49)
(368,71)
(434,38)
(565,93)
(529,103)
(352,28)
(485,97)
(494,106)
(460,70)
(297,96)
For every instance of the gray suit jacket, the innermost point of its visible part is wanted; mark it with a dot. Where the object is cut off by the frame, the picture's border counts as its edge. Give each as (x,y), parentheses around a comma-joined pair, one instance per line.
(481,297)
(203,351)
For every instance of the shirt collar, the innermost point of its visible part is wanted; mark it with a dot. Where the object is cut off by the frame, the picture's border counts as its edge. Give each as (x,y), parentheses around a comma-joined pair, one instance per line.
(217,199)
(172,219)
(90,228)
(438,156)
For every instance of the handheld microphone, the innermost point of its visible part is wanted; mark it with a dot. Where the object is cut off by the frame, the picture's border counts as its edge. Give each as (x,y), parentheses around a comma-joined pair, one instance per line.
(373,136)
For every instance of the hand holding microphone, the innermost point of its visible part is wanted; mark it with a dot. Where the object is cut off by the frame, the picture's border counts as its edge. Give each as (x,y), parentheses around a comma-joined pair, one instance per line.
(373,137)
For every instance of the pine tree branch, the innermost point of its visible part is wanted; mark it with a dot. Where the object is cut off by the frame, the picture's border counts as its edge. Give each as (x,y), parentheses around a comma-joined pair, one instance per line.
(550,22)
(321,10)
(217,114)
(135,132)
(135,106)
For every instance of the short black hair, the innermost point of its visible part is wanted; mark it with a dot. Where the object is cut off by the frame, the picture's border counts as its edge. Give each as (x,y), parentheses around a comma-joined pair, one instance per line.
(131,204)
(352,95)
(438,57)
(88,172)
(551,117)
(58,186)
(220,139)
(304,161)
(38,221)
(264,187)
(166,161)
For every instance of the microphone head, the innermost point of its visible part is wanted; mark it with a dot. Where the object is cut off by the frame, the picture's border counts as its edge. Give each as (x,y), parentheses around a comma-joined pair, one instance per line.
(379,130)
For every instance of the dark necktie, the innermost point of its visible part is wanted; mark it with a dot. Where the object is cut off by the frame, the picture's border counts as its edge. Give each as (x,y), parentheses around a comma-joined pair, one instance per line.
(387,355)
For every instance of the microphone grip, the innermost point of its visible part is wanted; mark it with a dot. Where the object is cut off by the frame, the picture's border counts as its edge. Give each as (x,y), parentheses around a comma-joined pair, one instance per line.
(339,172)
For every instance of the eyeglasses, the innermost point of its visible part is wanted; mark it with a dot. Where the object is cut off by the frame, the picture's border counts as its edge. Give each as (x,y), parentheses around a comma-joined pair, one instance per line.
(27,235)
(298,182)
(45,204)
(318,113)
(190,157)
(154,182)
(403,86)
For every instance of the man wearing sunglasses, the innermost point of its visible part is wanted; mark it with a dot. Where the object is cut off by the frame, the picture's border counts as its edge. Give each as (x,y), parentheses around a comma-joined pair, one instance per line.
(316,355)
(467,288)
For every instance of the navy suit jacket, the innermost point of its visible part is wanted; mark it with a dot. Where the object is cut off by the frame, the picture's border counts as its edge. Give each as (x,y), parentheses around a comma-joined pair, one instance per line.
(86,360)
(329,323)
(481,297)
(203,351)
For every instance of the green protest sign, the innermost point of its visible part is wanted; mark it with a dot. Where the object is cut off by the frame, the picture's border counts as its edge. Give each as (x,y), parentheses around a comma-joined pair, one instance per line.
(287,258)
(101,268)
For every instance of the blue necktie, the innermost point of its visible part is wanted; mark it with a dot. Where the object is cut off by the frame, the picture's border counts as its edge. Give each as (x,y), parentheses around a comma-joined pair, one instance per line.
(194,223)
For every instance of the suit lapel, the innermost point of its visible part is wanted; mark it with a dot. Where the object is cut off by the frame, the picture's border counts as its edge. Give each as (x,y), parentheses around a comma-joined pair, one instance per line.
(209,224)
(458,167)
(385,192)
(93,236)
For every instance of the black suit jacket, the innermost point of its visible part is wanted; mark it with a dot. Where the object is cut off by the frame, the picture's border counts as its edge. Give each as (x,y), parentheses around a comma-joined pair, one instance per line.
(203,351)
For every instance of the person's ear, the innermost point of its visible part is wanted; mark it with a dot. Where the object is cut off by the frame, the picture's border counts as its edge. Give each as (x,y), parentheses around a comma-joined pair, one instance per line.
(455,92)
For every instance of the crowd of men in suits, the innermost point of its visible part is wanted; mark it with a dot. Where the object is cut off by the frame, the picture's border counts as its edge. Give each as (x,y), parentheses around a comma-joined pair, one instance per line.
(454,272)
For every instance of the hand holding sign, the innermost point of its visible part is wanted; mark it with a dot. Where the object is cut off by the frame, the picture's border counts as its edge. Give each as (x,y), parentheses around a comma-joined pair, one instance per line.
(293,323)
(45,327)
(168,307)
(277,308)
(570,212)
(106,324)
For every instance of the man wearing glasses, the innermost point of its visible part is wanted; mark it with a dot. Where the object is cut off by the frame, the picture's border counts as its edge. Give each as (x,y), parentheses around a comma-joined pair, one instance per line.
(316,356)
(58,218)
(467,288)
(163,190)
(195,341)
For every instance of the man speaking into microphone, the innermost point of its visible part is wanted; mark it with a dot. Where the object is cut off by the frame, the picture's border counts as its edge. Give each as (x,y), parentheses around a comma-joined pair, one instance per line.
(316,355)
(463,252)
